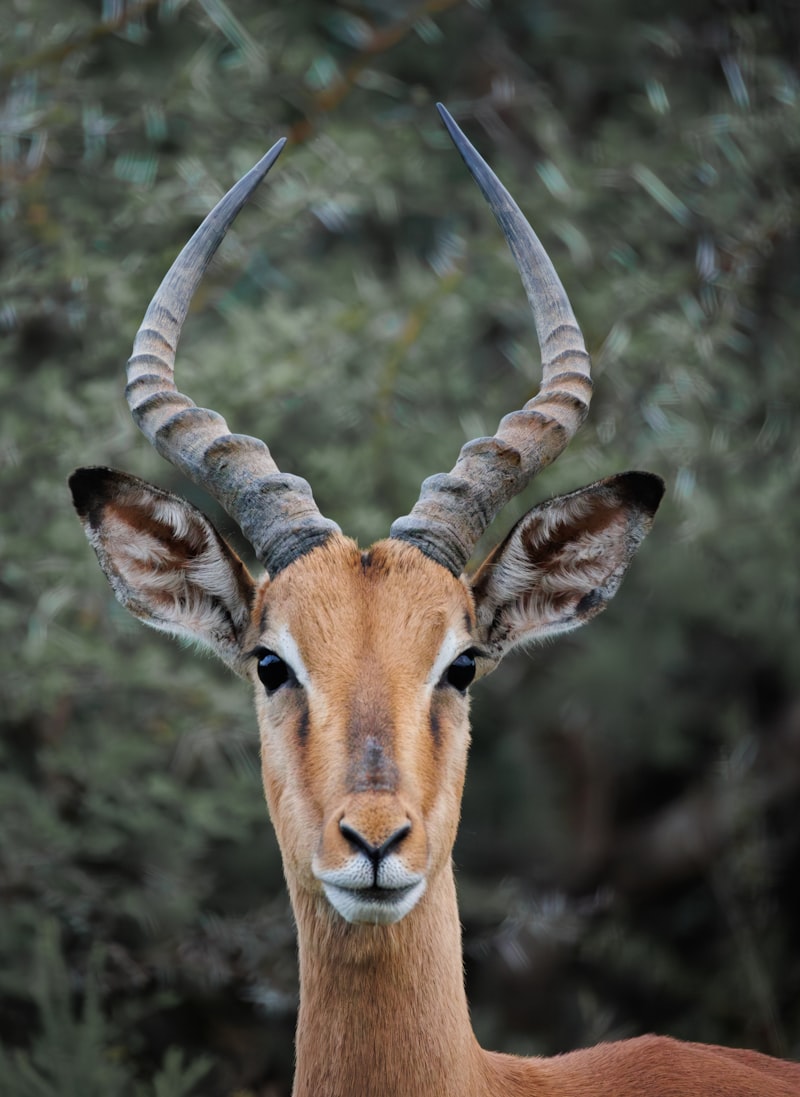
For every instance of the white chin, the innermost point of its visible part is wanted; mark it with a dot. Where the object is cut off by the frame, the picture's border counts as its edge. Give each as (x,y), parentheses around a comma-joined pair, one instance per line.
(361,908)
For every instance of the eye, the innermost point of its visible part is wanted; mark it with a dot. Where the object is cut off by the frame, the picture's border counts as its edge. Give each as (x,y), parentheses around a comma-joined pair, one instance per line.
(460,672)
(273,671)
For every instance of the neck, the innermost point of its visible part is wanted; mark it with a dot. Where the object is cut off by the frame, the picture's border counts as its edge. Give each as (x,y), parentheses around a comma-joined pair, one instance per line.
(383,1012)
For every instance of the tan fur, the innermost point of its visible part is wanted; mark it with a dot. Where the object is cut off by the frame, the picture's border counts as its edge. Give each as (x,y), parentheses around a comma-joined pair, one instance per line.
(365,683)
(373,737)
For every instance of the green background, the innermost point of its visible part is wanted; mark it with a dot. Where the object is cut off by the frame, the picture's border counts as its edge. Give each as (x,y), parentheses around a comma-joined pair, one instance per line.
(629,855)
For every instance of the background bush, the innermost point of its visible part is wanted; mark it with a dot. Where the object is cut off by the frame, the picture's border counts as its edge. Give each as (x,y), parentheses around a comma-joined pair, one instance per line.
(629,855)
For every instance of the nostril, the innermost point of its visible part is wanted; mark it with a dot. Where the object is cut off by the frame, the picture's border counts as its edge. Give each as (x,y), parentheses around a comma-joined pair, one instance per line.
(375,853)
(357,840)
(394,840)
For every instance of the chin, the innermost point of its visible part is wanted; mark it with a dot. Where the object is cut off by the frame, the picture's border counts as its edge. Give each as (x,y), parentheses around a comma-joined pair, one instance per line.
(374,906)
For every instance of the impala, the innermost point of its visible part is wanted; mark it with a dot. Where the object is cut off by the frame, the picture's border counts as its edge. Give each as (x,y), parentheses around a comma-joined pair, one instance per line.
(361,661)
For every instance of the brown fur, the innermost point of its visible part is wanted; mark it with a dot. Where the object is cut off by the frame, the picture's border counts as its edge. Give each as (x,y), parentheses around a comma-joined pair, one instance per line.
(374,737)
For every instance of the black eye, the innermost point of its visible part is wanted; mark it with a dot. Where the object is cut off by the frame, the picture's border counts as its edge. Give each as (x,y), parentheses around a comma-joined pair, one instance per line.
(460,672)
(273,671)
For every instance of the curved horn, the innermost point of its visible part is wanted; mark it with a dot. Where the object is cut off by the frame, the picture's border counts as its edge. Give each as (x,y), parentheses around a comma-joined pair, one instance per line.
(455,508)
(276,512)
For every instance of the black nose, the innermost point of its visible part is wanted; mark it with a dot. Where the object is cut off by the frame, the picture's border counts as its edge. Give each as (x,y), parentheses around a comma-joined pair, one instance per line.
(375,853)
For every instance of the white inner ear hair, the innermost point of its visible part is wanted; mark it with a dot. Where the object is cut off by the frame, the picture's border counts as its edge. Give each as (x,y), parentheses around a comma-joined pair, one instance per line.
(541,579)
(185,576)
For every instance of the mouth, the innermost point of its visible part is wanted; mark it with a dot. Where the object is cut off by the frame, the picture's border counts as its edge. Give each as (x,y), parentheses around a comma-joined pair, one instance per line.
(378,906)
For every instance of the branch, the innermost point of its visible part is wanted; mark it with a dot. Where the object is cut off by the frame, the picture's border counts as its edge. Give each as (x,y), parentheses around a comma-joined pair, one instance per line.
(380,42)
(53,54)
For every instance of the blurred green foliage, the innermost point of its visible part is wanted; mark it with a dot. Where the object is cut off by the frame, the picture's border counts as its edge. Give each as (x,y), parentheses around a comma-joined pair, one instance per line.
(630,847)
(75,1054)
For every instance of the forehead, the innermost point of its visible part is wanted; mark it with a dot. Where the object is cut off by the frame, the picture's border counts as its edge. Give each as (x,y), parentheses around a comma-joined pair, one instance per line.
(340,594)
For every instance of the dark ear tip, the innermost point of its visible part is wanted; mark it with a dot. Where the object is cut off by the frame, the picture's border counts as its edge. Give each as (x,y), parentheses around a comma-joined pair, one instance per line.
(644,488)
(86,485)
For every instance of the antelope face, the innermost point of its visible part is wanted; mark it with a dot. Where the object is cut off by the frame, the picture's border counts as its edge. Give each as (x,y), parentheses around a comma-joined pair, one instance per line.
(361,662)
(361,692)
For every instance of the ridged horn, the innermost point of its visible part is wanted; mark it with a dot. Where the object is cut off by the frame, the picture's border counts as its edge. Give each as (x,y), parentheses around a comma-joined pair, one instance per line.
(275,511)
(455,508)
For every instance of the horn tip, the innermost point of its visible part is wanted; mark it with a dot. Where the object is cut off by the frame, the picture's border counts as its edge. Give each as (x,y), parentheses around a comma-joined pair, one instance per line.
(269,158)
(479,169)
(450,123)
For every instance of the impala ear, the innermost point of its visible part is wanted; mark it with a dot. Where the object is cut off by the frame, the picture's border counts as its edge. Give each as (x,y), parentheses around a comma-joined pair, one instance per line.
(165,561)
(562,562)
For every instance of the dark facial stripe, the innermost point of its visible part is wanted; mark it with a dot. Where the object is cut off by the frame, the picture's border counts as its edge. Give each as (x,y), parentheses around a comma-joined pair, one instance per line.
(303,726)
(436,729)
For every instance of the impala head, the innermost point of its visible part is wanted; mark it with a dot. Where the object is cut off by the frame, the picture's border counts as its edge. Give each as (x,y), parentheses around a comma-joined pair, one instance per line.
(361,660)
